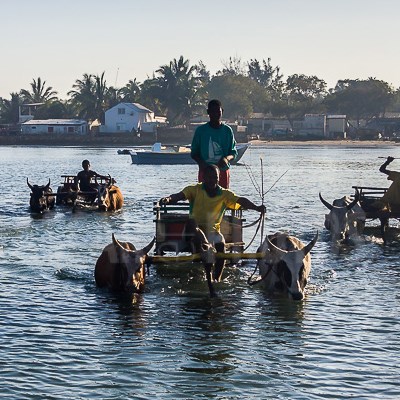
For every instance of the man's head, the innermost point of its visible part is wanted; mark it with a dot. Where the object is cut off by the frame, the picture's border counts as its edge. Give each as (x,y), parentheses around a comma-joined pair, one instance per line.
(211,176)
(214,111)
(85,164)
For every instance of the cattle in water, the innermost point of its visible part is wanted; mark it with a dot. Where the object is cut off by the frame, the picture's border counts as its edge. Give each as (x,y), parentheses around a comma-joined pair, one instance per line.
(121,267)
(346,218)
(41,198)
(109,197)
(286,265)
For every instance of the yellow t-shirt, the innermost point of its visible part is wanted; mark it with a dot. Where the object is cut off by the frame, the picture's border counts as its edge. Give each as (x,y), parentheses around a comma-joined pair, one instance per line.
(208,211)
(392,195)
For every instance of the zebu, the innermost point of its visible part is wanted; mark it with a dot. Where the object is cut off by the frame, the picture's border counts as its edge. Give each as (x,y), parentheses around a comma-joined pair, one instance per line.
(287,264)
(346,218)
(40,199)
(121,267)
(109,197)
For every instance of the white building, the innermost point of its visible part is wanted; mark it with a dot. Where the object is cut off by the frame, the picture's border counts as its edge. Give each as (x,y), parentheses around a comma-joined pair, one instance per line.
(322,125)
(129,117)
(56,126)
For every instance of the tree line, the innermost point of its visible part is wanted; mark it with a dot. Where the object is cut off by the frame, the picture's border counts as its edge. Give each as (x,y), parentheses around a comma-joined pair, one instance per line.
(180,91)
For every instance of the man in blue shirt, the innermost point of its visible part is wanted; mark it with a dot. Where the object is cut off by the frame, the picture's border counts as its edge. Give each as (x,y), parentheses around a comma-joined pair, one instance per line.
(214,143)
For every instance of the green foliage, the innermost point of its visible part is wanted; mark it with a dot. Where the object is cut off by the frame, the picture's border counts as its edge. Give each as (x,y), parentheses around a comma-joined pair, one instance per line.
(180,91)
(39,92)
(239,94)
(360,98)
(9,109)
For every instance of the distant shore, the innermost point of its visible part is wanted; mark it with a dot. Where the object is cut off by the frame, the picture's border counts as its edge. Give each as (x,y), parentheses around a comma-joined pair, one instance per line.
(344,143)
(124,141)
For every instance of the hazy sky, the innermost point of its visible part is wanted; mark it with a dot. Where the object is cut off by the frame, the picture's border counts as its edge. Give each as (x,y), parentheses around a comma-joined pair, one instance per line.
(60,40)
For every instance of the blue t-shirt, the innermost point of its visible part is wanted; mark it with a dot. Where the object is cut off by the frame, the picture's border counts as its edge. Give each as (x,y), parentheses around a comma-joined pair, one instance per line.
(211,144)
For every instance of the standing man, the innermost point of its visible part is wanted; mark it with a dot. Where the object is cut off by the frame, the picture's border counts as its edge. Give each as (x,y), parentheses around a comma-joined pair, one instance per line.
(213,143)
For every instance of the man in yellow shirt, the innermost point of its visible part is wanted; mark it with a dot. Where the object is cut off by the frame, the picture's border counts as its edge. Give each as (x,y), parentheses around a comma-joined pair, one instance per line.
(208,202)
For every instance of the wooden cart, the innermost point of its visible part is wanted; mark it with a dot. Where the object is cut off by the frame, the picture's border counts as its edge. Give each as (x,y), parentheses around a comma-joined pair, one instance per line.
(368,197)
(170,220)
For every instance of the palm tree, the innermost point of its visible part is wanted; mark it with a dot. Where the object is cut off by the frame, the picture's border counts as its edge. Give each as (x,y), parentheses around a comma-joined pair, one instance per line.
(40,93)
(179,84)
(130,93)
(83,100)
(9,109)
(100,92)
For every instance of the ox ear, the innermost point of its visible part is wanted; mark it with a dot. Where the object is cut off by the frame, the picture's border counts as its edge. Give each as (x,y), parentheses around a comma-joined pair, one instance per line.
(275,249)
(324,202)
(310,245)
(27,181)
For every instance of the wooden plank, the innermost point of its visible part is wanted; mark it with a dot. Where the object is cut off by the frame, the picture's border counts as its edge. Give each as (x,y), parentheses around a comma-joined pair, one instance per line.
(197,257)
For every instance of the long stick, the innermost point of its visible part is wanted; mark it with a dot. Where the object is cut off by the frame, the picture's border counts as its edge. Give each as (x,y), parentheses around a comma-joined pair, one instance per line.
(394,158)
(197,257)
(262,200)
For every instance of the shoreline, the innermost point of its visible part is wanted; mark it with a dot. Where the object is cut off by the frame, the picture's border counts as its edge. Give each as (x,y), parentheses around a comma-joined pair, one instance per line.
(122,141)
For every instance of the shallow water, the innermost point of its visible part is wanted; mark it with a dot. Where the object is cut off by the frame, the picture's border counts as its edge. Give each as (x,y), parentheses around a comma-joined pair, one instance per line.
(61,337)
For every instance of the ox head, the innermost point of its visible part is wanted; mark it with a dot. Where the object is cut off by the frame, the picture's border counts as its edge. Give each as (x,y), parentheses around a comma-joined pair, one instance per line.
(288,264)
(338,221)
(130,265)
(103,197)
(39,201)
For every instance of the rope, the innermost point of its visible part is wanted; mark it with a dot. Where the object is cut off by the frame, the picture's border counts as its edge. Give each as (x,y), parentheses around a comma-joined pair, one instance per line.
(260,220)
(258,280)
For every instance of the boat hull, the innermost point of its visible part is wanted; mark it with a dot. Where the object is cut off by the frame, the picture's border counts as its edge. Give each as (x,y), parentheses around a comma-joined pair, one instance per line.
(174,158)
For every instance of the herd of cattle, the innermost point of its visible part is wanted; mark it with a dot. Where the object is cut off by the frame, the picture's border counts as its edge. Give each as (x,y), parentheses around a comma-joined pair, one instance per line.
(109,197)
(284,267)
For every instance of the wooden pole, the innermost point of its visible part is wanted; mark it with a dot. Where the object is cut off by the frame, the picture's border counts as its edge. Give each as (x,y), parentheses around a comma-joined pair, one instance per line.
(197,257)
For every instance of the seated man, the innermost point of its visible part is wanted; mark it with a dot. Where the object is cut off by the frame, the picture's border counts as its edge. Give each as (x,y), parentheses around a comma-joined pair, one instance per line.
(208,201)
(83,181)
(392,195)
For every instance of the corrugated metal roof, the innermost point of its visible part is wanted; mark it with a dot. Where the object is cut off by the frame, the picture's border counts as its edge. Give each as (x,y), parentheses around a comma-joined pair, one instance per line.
(137,106)
(55,122)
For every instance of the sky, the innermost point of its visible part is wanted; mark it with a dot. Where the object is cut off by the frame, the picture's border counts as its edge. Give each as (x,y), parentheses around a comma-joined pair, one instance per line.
(60,40)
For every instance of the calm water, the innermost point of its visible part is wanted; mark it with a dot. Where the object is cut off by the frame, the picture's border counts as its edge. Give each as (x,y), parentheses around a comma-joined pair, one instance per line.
(61,337)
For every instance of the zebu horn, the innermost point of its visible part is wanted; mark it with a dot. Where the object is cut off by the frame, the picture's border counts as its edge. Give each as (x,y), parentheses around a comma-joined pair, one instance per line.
(48,185)
(117,243)
(27,181)
(276,249)
(149,246)
(310,245)
(145,250)
(325,203)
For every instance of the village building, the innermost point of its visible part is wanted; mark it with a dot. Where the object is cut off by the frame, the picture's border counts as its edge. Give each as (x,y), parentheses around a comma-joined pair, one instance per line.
(130,118)
(54,126)
(322,126)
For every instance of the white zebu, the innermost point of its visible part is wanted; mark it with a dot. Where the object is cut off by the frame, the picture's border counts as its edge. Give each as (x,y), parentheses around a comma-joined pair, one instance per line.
(346,218)
(287,264)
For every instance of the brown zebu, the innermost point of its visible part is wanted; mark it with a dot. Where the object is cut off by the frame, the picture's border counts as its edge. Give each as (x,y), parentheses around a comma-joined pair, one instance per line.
(121,267)
(109,197)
